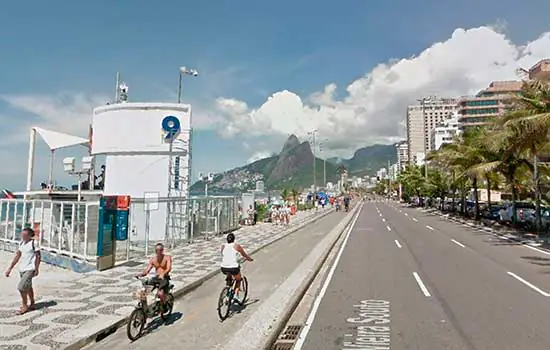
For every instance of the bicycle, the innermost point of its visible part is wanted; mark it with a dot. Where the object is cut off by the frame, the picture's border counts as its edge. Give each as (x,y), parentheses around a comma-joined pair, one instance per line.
(148,306)
(227,296)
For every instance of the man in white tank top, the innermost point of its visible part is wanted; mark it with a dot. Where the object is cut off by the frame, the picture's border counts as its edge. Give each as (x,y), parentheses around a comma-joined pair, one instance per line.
(230,260)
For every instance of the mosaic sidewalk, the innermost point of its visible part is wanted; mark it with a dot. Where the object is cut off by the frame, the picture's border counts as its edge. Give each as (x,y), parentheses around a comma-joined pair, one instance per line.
(83,305)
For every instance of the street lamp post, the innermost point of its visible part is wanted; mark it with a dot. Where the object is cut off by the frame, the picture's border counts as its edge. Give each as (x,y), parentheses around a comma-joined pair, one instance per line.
(322,150)
(185,71)
(425,138)
(312,134)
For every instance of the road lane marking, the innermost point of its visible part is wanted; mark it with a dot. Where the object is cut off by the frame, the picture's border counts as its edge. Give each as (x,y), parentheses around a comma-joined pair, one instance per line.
(389,228)
(380,214)
(535,249)
(429,227)
(458,243)
(530,285)
(421,285)
(309,322)
(372,326)
(383,220)
(414,219)
(397,244)
(406,214)
(400,211)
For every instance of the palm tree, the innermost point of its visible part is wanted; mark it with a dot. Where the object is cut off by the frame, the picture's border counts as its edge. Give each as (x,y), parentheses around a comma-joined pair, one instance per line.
(531,115)
(295,194)
(285,194)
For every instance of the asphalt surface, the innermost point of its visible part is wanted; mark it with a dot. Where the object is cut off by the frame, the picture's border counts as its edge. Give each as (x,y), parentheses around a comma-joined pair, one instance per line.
(409,280)
(195,323)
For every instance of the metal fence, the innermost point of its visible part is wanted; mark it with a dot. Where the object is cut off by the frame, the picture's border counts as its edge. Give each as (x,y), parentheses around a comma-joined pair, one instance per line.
(68,228)
(71,228)
(200,219)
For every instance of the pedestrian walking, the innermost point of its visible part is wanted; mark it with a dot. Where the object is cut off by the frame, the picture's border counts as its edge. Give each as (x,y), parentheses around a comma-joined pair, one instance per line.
(28,255)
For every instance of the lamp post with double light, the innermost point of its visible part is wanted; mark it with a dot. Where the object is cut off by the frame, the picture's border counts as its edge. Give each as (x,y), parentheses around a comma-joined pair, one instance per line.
(185,71)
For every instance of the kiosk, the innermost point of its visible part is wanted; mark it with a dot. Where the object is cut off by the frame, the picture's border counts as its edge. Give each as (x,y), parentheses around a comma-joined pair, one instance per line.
(113,226)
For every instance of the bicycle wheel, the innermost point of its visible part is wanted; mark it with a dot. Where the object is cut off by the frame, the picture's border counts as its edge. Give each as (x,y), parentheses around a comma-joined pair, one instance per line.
(135,324)
(244,289)
(167,307)
(224,303)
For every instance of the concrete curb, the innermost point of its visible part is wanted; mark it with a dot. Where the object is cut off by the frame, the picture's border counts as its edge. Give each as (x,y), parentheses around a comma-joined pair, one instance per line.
(289,309)
(186,289)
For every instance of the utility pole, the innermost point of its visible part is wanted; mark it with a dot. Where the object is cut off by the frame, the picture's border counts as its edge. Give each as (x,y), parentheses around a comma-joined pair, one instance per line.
(425,123)
(389,180)
(312,133)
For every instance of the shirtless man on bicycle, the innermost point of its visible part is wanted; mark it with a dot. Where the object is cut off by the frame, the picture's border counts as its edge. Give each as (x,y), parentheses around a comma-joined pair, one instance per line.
(230,260)
(162,264)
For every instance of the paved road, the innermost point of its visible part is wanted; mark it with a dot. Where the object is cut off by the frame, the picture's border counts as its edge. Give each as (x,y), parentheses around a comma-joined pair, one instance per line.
(407,280)
(196,325)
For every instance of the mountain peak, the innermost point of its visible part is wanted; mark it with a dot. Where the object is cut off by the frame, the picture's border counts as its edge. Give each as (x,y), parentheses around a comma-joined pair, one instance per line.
(290,143)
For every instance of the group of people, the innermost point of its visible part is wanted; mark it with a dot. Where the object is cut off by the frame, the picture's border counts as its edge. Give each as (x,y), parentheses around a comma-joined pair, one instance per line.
(280,214)
(28,258)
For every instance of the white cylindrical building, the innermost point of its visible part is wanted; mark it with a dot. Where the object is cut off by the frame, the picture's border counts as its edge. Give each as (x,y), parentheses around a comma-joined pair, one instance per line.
(132,137)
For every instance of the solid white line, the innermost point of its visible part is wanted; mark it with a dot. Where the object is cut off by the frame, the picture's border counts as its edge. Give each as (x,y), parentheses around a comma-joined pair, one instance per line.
(389,228)
(397,244)
(421,285)
(458,243)
(535,288)
(406,214)
(414,219)
(309,322)
(536,249)
(429,227)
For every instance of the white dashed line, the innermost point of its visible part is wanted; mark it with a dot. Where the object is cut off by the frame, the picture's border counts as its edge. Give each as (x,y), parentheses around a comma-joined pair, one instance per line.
(406,214)
(421,285)
(429,227)
(535,288)
(458,243)
(380,214)
(400,211)
(389,228)
(397,244)
(383,220)
(414,219)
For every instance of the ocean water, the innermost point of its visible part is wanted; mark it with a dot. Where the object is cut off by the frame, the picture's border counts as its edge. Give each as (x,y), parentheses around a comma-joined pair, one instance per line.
(8,209)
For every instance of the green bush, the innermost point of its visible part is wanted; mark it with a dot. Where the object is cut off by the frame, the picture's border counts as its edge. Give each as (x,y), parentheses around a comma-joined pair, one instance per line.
(305,206)
(262,211)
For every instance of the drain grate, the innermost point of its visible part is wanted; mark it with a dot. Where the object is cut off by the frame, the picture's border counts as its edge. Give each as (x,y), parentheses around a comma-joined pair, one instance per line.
(282,346)
(291,332)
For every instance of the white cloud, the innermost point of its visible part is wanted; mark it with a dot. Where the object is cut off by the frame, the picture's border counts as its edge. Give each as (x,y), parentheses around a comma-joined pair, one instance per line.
(68,113)
(259,155)
(374,107)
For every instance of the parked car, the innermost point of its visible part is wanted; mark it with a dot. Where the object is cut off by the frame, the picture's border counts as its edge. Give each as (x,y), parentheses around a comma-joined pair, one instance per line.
(530,221)
(523,210)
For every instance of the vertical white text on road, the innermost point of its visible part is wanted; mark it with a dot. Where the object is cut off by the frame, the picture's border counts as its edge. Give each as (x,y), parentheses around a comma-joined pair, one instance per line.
(371,326)
(309,322)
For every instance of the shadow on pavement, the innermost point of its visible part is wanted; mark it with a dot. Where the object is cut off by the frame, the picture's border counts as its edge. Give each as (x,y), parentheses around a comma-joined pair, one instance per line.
(238,308)
(44,304)
(158,322)
(535,260)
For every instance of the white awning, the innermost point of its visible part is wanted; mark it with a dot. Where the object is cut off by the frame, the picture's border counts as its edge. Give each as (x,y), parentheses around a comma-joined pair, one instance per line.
(56,140)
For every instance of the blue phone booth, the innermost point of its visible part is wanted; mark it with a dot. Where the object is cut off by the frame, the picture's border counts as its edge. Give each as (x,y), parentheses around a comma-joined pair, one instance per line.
(113,226)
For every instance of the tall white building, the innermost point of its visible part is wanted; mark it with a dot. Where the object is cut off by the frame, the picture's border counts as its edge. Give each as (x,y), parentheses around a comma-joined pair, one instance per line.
(422,118)
(402,149)
(445,132)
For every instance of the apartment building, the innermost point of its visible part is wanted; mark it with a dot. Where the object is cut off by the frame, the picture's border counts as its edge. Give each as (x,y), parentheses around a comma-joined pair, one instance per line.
(541,70)
(422,118)
(445,132)
(487,104)
(402,149)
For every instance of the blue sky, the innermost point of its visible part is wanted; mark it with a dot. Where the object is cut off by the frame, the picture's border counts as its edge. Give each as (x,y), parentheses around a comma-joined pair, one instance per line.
(245,51)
